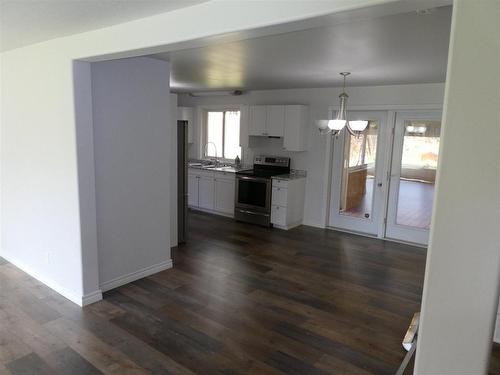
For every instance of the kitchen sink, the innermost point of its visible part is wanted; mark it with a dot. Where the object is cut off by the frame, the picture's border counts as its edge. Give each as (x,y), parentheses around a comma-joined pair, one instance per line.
(217,167)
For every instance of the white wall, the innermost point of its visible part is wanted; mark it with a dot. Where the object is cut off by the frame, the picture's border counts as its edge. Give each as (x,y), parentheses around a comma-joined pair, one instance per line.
(460,298)
(40,203)
(132,141)
(316,158)
(173,171)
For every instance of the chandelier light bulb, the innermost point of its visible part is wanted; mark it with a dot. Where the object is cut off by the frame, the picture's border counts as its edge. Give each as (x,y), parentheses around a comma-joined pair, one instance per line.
(358,125)
(336,125)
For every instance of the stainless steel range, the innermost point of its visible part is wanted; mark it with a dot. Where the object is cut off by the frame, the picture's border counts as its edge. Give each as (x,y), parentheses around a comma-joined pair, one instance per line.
(253,189)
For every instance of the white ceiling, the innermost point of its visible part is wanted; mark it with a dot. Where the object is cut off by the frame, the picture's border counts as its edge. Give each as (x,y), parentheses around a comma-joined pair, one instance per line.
(24,22)
(397,49)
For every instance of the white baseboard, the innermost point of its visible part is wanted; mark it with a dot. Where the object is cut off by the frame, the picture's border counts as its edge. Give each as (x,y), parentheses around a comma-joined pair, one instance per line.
(92,297)
(74,297)
(314,224)
(133,276)
(287,227)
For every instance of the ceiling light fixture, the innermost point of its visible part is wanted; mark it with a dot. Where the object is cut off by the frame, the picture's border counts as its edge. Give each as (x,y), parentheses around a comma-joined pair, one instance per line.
(341,121)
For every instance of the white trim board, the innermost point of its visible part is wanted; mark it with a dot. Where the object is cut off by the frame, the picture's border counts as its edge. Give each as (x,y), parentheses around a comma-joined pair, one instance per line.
(314,224)
(91,298)
(80,300)
(136,275)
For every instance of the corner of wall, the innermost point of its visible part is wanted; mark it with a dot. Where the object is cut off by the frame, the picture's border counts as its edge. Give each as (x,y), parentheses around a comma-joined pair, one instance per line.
(91,298)
(136,275)
(77,298)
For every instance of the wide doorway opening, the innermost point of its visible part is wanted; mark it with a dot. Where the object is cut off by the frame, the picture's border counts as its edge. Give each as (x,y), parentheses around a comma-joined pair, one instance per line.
(383,179)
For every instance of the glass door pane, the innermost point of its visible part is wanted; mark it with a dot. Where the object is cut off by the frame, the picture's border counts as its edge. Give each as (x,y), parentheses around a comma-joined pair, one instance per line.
(418,173)
(413,175)
(357,189)
(358,174)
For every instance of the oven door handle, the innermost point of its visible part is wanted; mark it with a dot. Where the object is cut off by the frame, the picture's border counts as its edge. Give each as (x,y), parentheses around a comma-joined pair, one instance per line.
(260,179)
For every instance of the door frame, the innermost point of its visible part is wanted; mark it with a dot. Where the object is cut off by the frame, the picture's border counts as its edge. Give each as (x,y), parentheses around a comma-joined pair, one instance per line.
(392,229)
(391,110)
(369,226)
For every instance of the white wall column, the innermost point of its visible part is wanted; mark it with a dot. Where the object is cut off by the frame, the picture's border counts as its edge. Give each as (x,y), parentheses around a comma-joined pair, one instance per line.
(82,82)
(462,275)
(132,140)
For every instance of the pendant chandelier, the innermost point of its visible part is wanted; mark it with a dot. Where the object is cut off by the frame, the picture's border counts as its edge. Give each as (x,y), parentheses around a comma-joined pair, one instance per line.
(341,121)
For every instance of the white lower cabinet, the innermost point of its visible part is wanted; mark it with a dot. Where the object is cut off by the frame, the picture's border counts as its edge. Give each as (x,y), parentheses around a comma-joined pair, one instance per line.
(278,215)
(193,190)
(211,191)
(224,195)
(206,192)
(287,202)
(279,196)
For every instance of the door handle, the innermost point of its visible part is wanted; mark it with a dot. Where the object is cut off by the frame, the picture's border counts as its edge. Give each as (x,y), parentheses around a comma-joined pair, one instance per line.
(379,184)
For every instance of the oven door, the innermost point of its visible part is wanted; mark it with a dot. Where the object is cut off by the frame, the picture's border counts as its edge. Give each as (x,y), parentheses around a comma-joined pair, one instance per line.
(253,193)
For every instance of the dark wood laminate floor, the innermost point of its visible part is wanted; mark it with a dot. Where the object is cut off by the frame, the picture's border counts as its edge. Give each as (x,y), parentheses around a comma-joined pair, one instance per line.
(240,300)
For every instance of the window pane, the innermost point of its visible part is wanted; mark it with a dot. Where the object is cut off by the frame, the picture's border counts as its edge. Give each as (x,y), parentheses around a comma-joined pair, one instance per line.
(214,134)
(358,175)
(232,135)
(418,173)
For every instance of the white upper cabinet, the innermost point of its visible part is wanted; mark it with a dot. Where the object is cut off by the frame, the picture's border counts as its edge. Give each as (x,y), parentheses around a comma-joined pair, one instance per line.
(286,121)
(266,120)
(187,114)
(295,130)
(257,120)
(275,120)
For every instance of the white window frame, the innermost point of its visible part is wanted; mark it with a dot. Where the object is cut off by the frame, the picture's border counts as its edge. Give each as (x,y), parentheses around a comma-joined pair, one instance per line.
(204,124)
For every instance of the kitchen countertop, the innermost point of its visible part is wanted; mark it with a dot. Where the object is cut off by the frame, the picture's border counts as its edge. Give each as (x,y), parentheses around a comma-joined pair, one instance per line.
(229,169)
(294,175)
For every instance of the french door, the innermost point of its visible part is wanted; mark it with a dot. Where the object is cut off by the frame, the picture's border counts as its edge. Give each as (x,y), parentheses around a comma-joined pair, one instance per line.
(383,179)
(413,175)
(358,182)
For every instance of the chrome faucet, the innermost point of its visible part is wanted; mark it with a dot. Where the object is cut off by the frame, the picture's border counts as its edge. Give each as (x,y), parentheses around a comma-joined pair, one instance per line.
(215,147)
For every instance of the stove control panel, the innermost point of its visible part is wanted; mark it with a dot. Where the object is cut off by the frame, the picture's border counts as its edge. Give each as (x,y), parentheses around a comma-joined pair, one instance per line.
(278,161)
